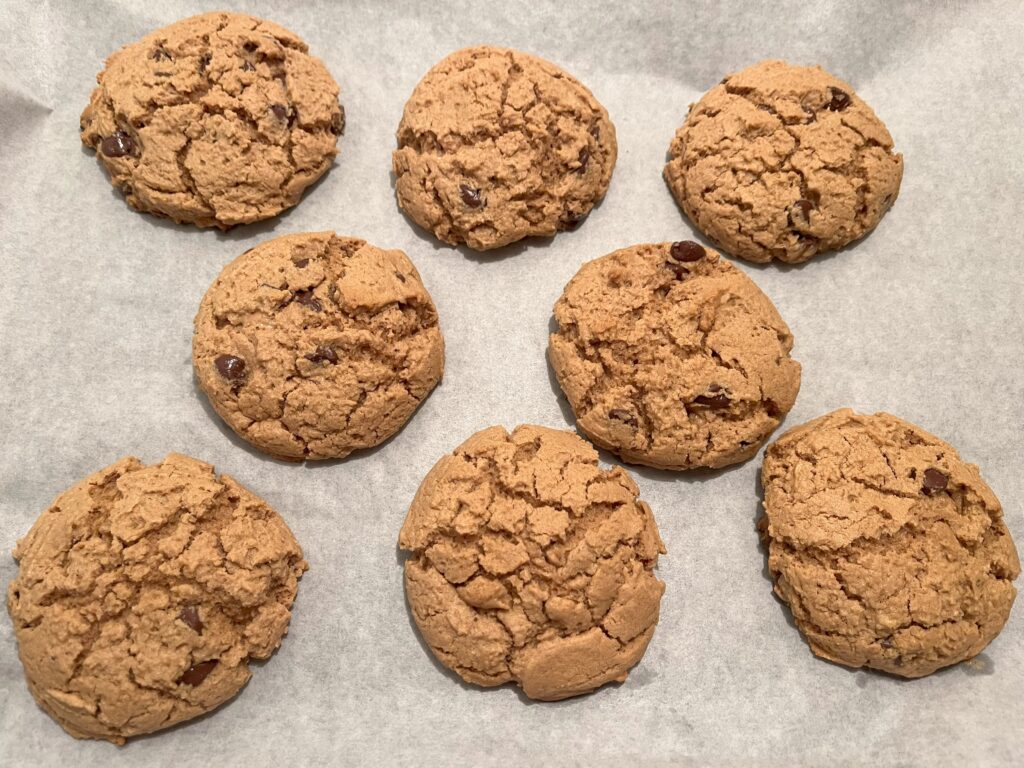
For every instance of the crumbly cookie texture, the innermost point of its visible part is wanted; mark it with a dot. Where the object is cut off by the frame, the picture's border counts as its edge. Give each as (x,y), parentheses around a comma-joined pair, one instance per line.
(496,145)
(783,162)
(217,120)
(672,357)
(529,563)
(143,592)
(890,550)
(312,346)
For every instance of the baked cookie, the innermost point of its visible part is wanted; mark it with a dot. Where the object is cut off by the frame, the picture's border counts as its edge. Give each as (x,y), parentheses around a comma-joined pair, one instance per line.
(216,120)
(496,145)
(890,550)
(783,162)
(672,357)
(311,346)
(143,592)
(529,563)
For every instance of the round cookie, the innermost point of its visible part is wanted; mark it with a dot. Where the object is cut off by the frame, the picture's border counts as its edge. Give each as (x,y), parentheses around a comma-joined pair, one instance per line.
(496,145)
(889,549)
(783,162)
(311,346)
(217,120)
(142,593)
(672,357)
(530,563)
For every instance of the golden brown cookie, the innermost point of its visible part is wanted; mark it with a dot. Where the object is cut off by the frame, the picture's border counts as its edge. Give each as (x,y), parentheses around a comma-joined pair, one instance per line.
(890,550)
(529,563)
(312,346)
(672,357)
(216,120)
(143,592)
(496,145)
(783,162)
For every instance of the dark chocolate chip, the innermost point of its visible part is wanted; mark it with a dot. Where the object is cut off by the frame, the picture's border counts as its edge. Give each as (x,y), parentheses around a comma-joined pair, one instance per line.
(248,67)
(230,367)
(584,157)
(620,414)
(400,276)
(470,196)
(204,62)
(840,100)
(280,111)
(308,299)
(195,674)
(302,263)
(161,54)
(800,213)
(713,402)
(250,46)
(934,481)
(190,615)
(323,355)
(687,251)
(569,221)
(595,131)
(117,144)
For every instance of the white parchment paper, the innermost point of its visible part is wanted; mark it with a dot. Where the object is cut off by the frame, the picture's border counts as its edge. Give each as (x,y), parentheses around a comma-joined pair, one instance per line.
(923,319)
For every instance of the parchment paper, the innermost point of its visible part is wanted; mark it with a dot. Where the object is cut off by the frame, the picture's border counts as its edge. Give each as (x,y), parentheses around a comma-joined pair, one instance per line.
(922,319)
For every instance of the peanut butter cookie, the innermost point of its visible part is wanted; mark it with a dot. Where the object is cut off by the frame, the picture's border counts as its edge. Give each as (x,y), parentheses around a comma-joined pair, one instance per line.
(783,162)
(143,592)
(890,550)
(529,563)
(672,357)
(216,120)
(312,346)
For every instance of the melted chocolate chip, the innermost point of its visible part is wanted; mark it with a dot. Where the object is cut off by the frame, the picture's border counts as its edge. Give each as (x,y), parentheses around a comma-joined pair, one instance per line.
(230,367)
(161,54)
(250,46)
(248,67)
(400,276)
(195,674)
(800,213)
(323,355)
(713,402)
(620,414)
(687,251)
(280,111)
(190,615)
(595,131)
(301,263)
(584,157)
(934,481)
(471,197)
(204,62)
(308,299)
(840,100)
(117,144)
(569,221)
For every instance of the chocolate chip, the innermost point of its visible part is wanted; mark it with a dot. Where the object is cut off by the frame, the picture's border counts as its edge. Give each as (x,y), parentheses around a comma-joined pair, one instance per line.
(190,615)
(687,251)
(323,355)
(161,54)
(250,46)
(887,642)
(301,263)
(595,131)
(308,299)
(800,213)
(715,401)
(338,122)
(195,674)
(569,221)
(230,367)
(584,156)
(620,414)
(280,111)
(470,196)
(117,144)
(840,100)
(400,276)
(204,62)
(934,481)
(248,67)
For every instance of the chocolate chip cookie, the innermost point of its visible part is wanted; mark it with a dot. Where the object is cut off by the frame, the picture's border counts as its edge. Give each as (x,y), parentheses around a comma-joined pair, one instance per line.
(890,550)
(311,346)
(217,120)
(496,145)
(672,357)
(142,593)
(530,563)
(783,162)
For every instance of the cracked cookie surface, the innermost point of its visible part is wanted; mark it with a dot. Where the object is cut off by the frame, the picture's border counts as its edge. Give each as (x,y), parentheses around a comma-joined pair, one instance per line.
(529,563)
(311,346)
(496,145)
(889,549)
(672,357)
(142,593)
(783,162)
(216,120)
